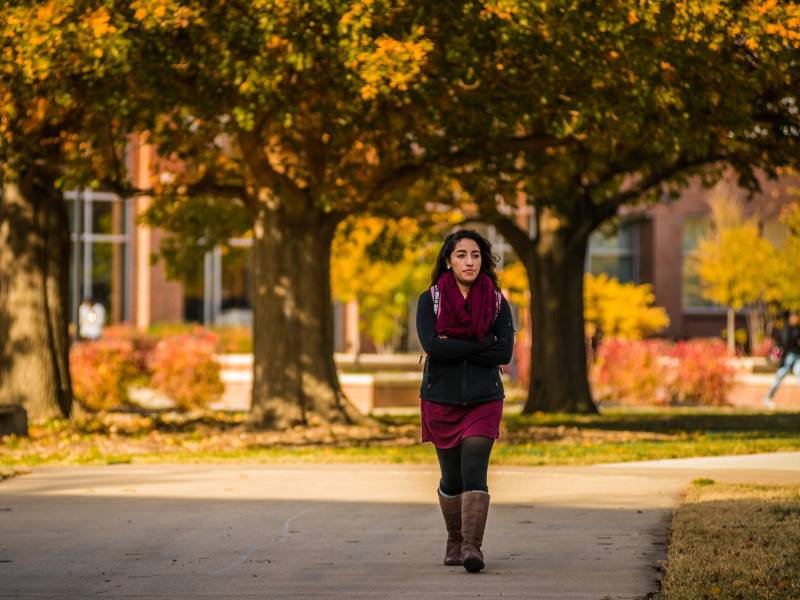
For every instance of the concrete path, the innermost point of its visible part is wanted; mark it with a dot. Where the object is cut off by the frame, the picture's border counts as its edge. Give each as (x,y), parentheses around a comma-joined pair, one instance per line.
(342,531)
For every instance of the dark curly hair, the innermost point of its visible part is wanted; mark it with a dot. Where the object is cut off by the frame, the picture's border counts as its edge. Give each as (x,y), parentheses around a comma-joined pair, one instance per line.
(488,260)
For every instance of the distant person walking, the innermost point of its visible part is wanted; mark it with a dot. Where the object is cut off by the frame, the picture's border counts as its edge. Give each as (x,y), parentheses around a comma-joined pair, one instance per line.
(91,319)
(465,327)
(790,355)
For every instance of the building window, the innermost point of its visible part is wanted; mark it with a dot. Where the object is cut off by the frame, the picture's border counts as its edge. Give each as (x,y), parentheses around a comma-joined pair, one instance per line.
(775,232)
(694,230)
(101,263)
(194,294)
(235,283)
(220,291)
(615,254)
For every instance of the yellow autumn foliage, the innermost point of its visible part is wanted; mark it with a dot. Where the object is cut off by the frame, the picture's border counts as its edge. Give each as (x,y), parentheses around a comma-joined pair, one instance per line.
(623,310)
(384,64)
(736,266)
(514,280)
(384,287)
(787,267)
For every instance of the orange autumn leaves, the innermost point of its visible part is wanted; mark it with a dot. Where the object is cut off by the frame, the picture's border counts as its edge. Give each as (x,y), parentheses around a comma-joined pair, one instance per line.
(55,36)
(391,64)
(385,64)
(48,51)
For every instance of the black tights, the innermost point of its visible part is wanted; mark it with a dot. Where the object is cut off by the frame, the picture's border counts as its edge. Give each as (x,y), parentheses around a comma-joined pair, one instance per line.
(464,467)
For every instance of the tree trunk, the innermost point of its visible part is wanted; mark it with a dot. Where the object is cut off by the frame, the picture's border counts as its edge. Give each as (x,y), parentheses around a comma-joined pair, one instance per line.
(755,328)
(558,373)
(731,332)
(34,291)
(554,261)
(294,378)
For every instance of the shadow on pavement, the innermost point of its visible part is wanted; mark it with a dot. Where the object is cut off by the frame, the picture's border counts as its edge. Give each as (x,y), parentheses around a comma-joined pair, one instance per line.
(68,539)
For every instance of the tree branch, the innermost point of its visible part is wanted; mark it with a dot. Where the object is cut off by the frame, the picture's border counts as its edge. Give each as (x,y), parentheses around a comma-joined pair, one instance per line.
(208,185)
(408,174)
(609,208)
(518,237)
(264,173)
(123,189)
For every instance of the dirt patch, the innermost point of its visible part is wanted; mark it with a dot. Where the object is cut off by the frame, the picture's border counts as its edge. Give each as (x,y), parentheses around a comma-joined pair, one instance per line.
(581,435)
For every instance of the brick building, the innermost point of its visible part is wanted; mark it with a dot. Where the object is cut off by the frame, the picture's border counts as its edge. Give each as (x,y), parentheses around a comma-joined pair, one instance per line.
(111,261)
(661,237)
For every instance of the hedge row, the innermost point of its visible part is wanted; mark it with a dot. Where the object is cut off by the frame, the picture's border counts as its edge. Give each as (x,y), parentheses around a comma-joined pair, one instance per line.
(660,372)
(180,366)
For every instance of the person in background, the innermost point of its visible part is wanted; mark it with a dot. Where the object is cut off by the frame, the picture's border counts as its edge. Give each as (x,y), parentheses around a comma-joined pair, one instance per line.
(91,319)
(790,351)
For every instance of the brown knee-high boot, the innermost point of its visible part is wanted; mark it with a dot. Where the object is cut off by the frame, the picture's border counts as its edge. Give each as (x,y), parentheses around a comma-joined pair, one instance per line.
(474,509)
(451,511)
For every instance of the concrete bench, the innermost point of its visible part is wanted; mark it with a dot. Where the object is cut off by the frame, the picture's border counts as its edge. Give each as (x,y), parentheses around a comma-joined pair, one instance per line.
(394,382)
(13,419)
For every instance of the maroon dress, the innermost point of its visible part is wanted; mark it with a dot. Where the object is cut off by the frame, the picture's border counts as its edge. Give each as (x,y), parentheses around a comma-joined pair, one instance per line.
(446,425)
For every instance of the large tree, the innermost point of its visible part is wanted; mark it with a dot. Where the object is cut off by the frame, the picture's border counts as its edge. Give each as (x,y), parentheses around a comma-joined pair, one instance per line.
(307,113)
(301,114)
(60,64)
(638,97)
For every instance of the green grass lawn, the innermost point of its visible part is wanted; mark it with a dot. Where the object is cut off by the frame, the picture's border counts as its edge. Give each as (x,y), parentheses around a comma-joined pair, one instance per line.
(539,439)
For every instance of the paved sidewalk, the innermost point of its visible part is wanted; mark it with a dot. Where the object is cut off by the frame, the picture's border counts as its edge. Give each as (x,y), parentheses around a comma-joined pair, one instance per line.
(342,531)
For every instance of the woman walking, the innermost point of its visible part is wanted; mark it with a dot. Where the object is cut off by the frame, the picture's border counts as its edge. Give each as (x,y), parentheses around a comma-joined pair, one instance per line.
(465,327)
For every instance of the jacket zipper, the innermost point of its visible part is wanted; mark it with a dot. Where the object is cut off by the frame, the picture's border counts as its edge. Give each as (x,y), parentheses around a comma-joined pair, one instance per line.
(464,382)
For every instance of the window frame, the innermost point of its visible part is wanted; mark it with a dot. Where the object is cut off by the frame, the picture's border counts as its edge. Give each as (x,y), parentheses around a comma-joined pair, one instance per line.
(712,309)
(82,238)
(212,279)
(619,251)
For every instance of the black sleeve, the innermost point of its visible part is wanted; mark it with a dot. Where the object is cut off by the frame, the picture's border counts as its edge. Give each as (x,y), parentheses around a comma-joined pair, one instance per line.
(785,338)
(501,351)
(794,340)
(449,348)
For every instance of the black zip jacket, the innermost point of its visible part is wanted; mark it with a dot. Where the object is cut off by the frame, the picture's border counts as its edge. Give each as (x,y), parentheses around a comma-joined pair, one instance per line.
(459,371)
(789,341)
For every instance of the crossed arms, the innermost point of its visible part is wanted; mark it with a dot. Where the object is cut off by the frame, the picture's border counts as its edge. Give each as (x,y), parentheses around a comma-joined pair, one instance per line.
(495,349)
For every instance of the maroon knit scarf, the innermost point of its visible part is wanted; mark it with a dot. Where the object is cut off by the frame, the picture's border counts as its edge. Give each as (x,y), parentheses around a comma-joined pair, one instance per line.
(469,317)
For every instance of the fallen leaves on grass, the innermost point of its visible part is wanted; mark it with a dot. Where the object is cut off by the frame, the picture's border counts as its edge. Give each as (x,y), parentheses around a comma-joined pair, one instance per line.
(209,436)
(113,435)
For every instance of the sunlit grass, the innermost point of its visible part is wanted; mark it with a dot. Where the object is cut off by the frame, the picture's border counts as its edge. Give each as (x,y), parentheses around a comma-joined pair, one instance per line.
(735,541)
(617,435)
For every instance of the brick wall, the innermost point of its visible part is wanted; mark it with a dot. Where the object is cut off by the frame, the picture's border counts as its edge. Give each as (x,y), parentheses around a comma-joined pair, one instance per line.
(667,252)
(166,295)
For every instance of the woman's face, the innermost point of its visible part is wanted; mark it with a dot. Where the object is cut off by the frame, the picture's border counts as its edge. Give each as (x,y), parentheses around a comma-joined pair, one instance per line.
(465,260)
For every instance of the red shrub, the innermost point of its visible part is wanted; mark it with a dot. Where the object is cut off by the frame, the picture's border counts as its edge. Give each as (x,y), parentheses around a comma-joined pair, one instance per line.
(702,373)
(631,372)
(143,343)
(658,372)
(183,367)
(101,372)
